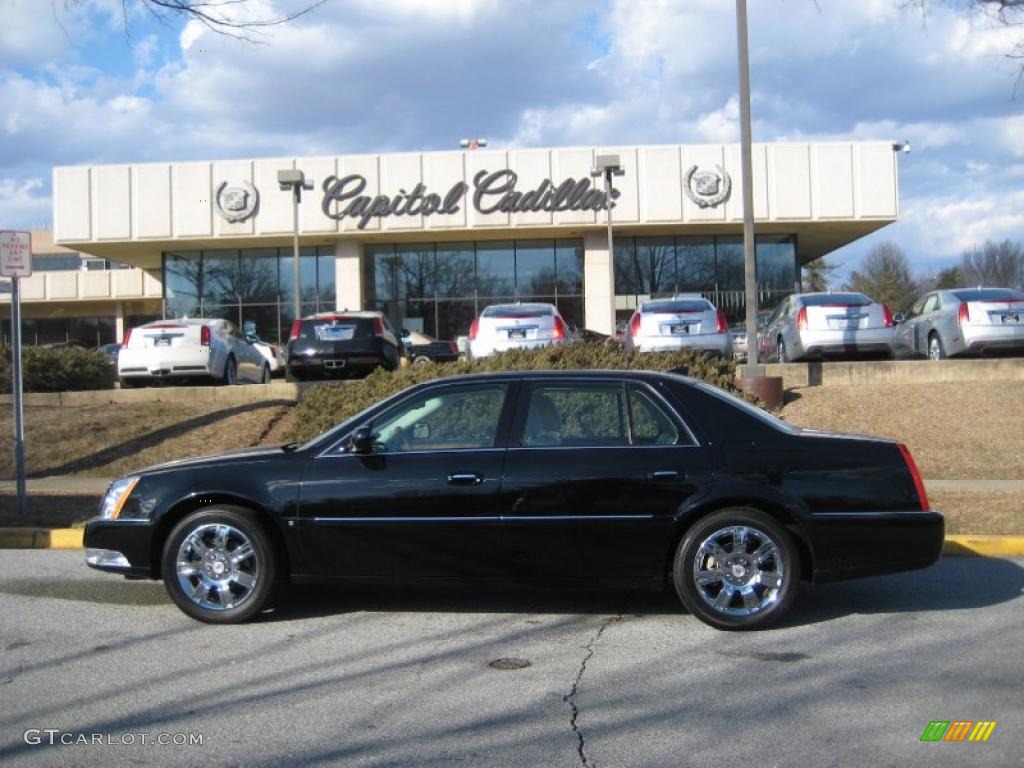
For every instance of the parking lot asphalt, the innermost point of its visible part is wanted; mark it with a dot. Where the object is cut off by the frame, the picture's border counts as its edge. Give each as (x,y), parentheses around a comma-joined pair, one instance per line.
(402,678)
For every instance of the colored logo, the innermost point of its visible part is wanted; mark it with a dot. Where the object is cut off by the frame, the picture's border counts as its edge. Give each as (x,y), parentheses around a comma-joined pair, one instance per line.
(958,730)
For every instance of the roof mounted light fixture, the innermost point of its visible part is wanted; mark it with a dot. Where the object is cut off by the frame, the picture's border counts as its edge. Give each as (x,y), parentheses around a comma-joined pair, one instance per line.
(901,146)
(472,143)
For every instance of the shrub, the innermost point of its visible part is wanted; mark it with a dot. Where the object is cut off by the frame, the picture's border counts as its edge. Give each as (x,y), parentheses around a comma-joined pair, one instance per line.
(58,370)
(321,407)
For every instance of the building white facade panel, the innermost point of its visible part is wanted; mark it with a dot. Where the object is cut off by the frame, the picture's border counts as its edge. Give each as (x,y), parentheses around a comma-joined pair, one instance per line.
(113,183)
(192,204)
(151,201)
(72,204)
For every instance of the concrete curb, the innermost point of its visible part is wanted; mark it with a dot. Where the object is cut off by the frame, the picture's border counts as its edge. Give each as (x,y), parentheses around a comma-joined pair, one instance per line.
(71,538)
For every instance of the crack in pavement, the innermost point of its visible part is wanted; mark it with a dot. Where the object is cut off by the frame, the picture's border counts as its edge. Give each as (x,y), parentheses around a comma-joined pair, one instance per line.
(570,698)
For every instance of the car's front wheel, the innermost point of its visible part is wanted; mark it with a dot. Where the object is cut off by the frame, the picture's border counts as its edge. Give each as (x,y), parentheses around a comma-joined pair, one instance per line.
(219,565)
(737,569)
(781,351)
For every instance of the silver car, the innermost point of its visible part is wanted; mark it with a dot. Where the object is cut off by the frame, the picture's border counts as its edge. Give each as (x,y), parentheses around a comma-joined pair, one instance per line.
(827,325)
(682,322)
(501,327)
(962,321)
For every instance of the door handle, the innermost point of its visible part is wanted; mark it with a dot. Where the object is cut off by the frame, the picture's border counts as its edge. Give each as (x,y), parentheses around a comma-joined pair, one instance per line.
(465,478)
(665,474)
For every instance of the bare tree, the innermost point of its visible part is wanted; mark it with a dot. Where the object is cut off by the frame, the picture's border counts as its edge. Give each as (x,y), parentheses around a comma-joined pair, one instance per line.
(1005,13)
(885,276)
(225,17)
(995,264)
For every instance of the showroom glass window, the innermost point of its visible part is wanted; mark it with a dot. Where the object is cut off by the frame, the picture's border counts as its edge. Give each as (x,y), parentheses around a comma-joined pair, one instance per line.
(251,286)
(438,288)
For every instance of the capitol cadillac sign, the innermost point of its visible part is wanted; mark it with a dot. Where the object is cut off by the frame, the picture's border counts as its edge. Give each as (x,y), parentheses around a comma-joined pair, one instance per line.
(491,192)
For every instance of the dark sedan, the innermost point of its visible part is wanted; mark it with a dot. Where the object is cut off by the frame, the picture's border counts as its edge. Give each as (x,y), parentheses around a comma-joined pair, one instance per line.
(421,349)
(581,475)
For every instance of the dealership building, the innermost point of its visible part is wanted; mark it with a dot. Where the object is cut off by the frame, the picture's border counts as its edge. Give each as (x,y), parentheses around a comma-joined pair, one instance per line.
(431,238)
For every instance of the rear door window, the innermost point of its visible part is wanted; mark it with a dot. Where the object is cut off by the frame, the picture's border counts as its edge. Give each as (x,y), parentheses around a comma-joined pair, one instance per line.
(579,415)
(651,424)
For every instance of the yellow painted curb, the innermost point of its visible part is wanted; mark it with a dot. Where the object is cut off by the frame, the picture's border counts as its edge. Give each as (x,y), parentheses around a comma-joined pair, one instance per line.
(41,538)
(984,546)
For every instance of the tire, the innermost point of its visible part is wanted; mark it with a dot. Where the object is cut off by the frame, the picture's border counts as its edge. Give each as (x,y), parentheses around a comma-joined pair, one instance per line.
(421,360)
(129,384)
(230,377)
(936,351)
(755,597)
(265,375)
(780,351)
(217,588)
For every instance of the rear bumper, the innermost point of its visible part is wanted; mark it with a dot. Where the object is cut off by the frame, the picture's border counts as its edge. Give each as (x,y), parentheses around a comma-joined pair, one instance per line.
(119,546)
(479,348)
(979,338)
(857,544)
(149,365)
(874,340)
(708,342)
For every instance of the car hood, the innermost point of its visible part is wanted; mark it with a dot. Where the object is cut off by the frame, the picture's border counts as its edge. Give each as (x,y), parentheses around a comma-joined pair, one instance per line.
(227,457)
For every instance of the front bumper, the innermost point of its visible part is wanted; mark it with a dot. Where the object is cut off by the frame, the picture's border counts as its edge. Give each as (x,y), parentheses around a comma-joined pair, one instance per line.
(849,545)
(120,546)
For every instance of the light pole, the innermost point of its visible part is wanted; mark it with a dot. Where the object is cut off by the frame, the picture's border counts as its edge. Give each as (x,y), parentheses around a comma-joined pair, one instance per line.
(751,368)
(608,166)
(295,180)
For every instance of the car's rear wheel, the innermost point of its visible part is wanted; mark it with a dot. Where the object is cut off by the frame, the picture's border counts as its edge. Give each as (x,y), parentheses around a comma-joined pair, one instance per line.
(230,376)
(265,375)
(936,351)
(737,569)
(219,565)
(421,360)
(781,351)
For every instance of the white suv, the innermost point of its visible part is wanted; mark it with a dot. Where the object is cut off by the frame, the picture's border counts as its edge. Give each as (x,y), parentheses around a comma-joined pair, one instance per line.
(516,326)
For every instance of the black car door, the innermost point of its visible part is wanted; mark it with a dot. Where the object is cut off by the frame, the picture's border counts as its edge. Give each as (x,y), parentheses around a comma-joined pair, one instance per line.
(424,502)
(594,472)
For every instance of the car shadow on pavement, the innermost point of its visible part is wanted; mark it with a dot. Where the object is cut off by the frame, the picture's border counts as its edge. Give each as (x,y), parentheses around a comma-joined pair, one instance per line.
(151,439)
(952,584)
(321,600)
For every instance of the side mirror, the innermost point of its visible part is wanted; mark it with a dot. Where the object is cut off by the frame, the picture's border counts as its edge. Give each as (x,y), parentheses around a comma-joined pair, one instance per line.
(362,440)
(252,338)
(404,333)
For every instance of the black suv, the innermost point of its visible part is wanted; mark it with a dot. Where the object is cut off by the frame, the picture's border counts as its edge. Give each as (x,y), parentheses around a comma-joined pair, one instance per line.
(341,344)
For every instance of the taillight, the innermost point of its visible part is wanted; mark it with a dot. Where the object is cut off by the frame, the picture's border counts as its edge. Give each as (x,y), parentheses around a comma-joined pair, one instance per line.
(723,326)
(473,329)
(127,337)
(559,328)
(963,315)
(922,497)
(378,327)
(887,315)
(296,328)
(204,336)
(634,325)
(801,319)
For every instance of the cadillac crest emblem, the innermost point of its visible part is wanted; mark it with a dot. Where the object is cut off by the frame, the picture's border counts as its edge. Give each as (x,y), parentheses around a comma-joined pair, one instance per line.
(236,204)
(707,188)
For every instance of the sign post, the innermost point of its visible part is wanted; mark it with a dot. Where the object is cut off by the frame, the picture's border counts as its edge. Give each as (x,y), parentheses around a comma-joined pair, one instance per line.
(16,263)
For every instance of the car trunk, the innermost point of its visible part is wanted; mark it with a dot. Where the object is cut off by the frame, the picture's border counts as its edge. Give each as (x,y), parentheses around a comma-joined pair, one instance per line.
(517,326)
(993,312)
(166,336)
(841,316)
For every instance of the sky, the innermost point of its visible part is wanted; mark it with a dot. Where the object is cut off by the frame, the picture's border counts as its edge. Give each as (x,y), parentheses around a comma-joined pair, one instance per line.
(81,84)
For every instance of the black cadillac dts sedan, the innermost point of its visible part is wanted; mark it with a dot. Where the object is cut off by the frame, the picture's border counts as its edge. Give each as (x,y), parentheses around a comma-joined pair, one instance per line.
(572,475)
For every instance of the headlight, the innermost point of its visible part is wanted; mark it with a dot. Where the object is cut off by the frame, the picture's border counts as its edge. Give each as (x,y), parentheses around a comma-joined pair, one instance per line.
(117,495)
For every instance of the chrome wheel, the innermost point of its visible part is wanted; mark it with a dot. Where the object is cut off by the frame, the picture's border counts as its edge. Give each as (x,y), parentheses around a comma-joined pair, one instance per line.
(935,350)
(782,351)
(739,571)
(217,567)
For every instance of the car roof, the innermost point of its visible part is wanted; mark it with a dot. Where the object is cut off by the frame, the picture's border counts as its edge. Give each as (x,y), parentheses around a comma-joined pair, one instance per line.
(553,375)
(369,313)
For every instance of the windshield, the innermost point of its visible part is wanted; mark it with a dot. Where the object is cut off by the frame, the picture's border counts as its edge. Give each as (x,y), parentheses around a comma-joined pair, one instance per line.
(989,294)
(677,305)
(835,300)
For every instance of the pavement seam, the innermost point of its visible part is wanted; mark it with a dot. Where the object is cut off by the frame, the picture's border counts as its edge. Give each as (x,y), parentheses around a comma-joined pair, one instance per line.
(570,698)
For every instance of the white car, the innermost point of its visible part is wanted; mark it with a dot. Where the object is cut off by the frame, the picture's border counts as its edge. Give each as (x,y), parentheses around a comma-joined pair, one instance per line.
(501,327)
(682,322)
(188,349)
(273,354)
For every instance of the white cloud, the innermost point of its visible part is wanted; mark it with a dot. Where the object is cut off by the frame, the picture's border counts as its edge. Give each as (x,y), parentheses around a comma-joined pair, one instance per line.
(23,202)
